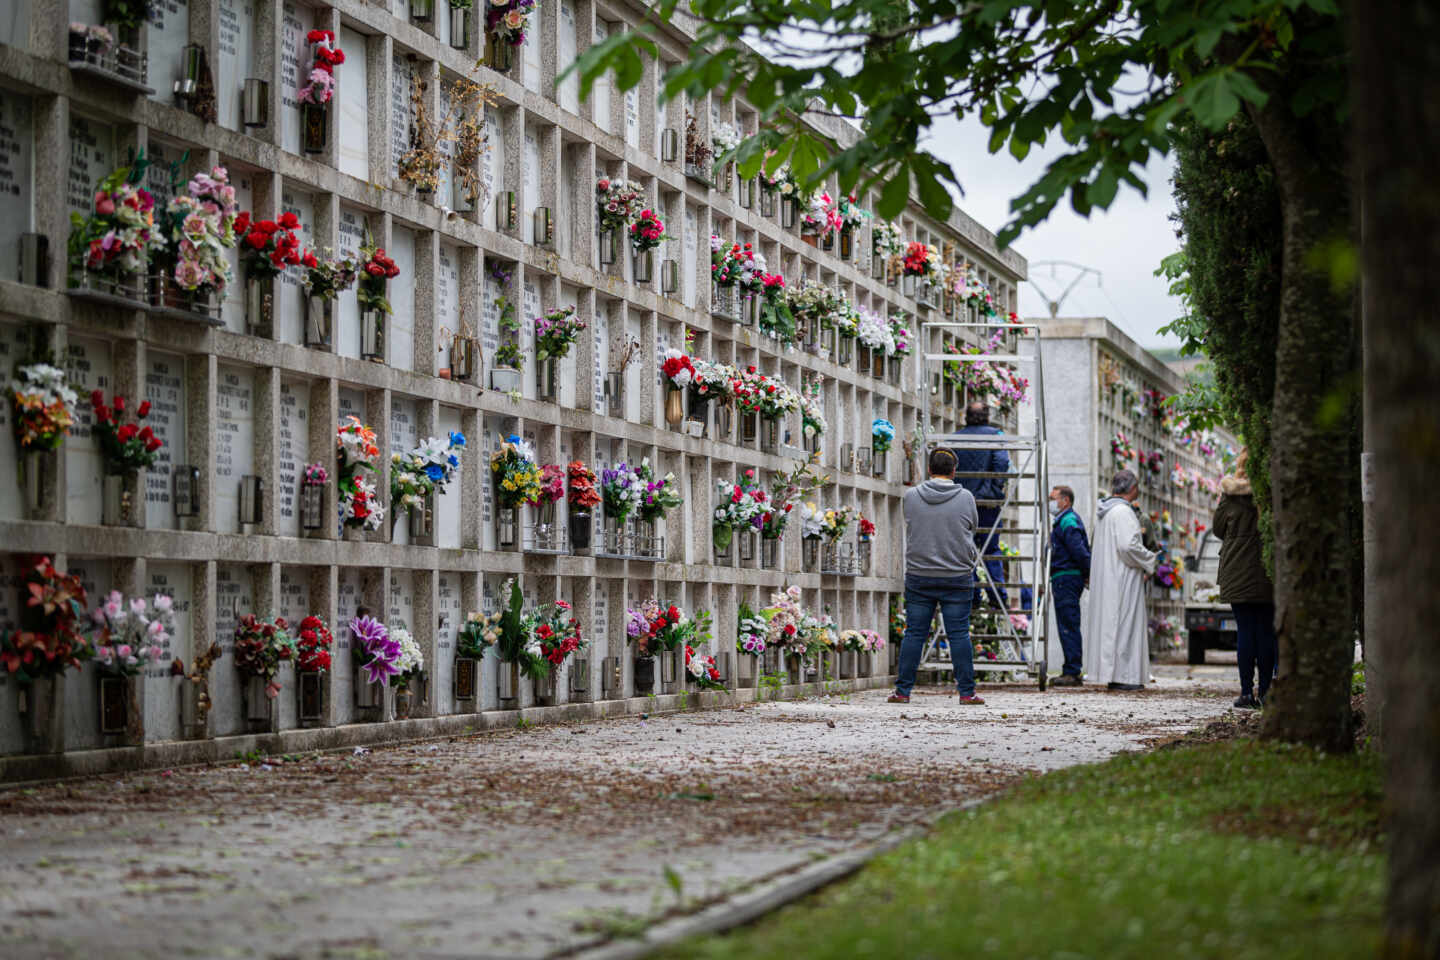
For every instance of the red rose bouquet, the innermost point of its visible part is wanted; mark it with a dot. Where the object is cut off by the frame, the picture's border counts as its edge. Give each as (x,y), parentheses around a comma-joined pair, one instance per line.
(312,645)
(125,447)
(867,527)
(321,87)
(376,269)
(647,232)
(554,636)
(267,247)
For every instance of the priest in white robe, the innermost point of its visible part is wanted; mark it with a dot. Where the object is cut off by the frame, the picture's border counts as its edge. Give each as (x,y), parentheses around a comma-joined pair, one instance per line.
(1117,642)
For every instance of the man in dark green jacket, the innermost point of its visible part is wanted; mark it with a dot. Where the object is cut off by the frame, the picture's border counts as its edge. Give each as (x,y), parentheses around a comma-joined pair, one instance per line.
(1069,575)
(1245,585)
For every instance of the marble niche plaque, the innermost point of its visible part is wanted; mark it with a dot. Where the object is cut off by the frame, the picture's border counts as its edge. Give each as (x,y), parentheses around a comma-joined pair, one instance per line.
(92,157)
(162,691)
(89,366)
(289,287)
(449,615)
(234,597)
(353,99)
(295,23)
(291,454)
(165,389)
(235,59)
(17,151)
(234,442)
(448,504)
(347,316)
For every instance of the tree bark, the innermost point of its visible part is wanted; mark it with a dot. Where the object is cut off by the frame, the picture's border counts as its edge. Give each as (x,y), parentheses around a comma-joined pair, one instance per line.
(1395,81)
(1310,465)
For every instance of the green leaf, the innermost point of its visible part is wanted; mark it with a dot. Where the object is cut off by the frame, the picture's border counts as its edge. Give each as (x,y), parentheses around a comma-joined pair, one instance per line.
(1212,100)
(895,195)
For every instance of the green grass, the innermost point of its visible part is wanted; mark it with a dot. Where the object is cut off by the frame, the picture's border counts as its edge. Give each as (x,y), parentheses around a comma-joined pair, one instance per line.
(1230,850)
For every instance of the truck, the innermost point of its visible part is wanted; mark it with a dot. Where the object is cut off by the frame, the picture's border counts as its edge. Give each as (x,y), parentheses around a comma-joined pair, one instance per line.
(1209,623)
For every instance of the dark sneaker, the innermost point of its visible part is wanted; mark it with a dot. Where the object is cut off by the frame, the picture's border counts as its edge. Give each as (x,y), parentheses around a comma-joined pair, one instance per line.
(1067,680)
(1127,686)
(971,701)
(898,698)
(1246,702)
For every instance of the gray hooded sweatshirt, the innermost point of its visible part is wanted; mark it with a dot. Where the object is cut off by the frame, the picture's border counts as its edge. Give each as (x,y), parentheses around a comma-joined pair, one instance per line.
(940,523)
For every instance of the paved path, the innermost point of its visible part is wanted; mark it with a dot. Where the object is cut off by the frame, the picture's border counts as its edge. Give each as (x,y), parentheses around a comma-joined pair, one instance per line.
(524,843)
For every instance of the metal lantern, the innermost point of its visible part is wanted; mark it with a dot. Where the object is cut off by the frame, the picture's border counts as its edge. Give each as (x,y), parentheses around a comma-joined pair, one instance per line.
(505,210)
(544,227)
(508,681)
(747,194)
(847,457)
(579,676)
(35,259)
(462,357)
(612,677)
(372,339)
(615,393)
(788,212)
(310,694)
(252,499)
(259,305)
(185,490)
(547,379)
(767,203)
(669,144)
(255,103)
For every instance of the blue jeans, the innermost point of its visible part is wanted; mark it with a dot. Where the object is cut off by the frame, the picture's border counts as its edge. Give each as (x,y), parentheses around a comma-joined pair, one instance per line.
(989,517)
(922,596)
(1066,590)
(1255,640)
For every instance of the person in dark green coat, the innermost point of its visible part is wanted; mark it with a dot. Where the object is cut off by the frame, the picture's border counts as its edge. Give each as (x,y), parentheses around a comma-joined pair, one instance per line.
(1245,585)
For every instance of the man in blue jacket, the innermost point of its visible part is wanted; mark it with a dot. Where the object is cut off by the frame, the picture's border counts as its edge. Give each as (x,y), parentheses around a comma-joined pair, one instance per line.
(985,460)
(1069,574)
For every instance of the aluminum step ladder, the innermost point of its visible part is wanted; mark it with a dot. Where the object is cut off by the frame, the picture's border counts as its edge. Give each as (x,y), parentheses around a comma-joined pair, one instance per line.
(1019,639)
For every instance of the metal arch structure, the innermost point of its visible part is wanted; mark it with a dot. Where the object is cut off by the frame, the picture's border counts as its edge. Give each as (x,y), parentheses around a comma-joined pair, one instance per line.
(1021,648)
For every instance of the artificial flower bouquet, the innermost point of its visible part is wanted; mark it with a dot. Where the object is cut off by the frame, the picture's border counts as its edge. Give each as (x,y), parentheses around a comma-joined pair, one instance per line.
(712,380)
(267,247)
(620,490)
(410,661)
(874,331)
(657,494)
(866,527)
(811,518)
(552,484)
(555,332)
(478,633)
(426,469)
(815,305)
(776,318)
(1121,448)
(851,214)
(779,180)
(739,506)
(678,369)
(882,435)
(783,618)
(820,217)
(582,495)
(125,447)
(42,407)
(618,202)
(376,270)
(732,262)
(51,633)
(900,335)
(119,236)
(920,260)
(852,641)
(648,230)
(886,240)
(819,633)
(725,139)
(197,227)
(517,478)
(750,631)
(374,650)
(554,635)
(132,633)
(321,88)
(313,641)
(702,670)
(328,276)
(357,452)
(655,629)
(834,523)
(756,393)
(812,418)
(509,20)
(260,647)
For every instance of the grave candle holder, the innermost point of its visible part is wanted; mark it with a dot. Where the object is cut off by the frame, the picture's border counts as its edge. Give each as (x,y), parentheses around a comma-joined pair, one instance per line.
(255,102)
(579,677)
(615,393)
(185,490)
(499,55)
(505,210)
(612,677)
(372,337)
(462,357)
(506,526)
(810,553)
(314,127)
(644,675)
(847,457)
(507,680)
(767,203)
(35,259)
(544,227)
(789,211)
(747,194)
(259,305)
(862,460)
(312,506)
(252,500)
(422,11)
(769,553)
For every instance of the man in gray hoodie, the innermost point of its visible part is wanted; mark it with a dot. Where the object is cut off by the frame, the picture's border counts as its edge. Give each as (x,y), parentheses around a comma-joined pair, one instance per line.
(940,554)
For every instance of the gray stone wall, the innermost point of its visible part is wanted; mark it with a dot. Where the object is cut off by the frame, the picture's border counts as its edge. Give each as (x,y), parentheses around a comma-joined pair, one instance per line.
(239,405)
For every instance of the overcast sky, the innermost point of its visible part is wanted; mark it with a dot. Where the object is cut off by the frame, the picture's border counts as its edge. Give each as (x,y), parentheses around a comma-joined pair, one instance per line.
(1124,243)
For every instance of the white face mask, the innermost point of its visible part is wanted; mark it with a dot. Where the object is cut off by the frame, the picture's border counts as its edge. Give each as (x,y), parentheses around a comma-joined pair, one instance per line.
(1054,508)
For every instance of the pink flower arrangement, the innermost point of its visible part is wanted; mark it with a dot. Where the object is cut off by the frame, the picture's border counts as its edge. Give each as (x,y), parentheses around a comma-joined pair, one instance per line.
(647,232)
(552,483)
(321,87)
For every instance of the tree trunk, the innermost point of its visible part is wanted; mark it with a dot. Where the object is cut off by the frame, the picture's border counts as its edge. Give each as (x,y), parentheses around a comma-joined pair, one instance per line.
(1310,465)
(1396,103)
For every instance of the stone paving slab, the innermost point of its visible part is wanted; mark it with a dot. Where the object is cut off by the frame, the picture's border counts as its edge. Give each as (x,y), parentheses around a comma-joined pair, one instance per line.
(530,842)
